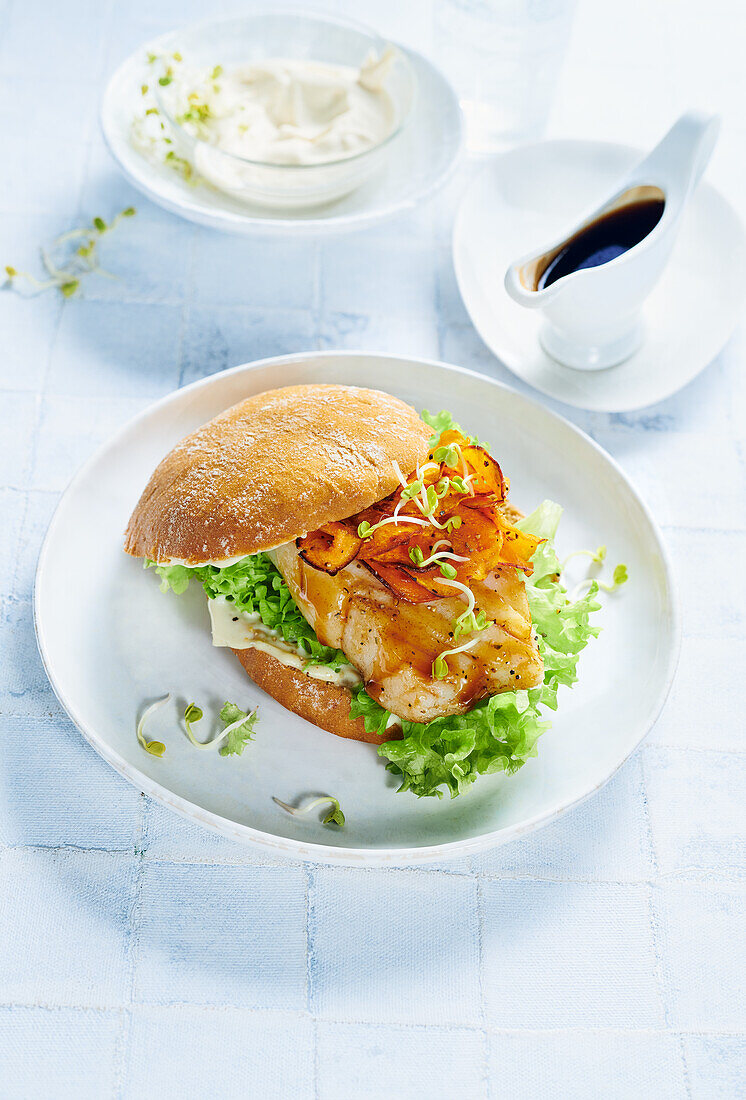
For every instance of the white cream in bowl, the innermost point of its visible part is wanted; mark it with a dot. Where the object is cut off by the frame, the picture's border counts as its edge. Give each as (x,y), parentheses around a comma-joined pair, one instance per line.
(283,111)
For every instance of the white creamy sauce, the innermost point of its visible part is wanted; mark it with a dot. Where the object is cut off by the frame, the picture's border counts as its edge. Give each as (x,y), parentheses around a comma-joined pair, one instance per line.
(283,111)
(240,630)
(219,563)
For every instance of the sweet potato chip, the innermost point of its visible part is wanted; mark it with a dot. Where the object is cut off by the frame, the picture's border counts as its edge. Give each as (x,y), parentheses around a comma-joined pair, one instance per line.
(387,538)
(518,548)
(401,582)
(433,580)
(331,547)
(397,555)
(452,435)
(477,535)
(488,477)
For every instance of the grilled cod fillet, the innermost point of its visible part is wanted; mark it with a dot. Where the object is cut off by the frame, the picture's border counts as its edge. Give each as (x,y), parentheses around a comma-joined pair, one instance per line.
(393,643)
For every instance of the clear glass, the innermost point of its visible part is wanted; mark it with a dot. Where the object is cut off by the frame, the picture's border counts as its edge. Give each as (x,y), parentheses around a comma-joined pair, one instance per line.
(504,58)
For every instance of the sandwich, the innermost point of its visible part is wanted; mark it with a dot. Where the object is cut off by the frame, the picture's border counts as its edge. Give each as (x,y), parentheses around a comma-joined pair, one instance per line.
(367,568)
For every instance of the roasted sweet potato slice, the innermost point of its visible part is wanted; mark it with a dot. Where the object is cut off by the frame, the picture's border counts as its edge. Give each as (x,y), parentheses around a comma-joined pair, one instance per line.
(486,501)
(401,582)
(432,579)
(477,535)
(486,472)
(331,547)
(452,435)
(388,537)
(518,548)
(397,555)
(488,477)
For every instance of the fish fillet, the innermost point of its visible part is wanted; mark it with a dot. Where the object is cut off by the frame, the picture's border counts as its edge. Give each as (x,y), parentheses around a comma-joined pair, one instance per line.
(393,643)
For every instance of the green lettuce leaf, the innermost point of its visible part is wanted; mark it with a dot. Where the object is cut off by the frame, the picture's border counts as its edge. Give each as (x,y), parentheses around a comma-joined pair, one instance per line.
(362,706)
(499,733)
(175,578)
(240,726)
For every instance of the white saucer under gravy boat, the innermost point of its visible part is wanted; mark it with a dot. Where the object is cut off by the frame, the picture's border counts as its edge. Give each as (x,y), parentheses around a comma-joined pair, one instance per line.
(592,314)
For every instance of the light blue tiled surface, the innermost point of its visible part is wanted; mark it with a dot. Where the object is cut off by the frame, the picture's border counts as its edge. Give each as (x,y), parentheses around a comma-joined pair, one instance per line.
(141,957)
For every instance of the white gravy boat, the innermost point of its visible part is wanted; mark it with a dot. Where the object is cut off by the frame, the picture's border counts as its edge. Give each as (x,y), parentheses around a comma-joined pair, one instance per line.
(592,316)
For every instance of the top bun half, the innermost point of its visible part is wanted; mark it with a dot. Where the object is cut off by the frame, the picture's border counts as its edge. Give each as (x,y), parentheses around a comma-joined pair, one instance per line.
(273,468)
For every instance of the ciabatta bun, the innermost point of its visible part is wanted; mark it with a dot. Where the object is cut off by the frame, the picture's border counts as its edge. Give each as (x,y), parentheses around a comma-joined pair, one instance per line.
(326,705)
(273,468)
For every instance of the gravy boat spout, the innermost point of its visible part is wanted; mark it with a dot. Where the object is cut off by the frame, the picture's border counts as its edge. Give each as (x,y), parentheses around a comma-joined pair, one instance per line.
(591,281)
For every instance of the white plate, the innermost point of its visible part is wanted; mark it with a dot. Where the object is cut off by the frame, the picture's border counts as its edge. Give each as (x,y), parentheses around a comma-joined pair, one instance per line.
(528,196)
(111,640)
(420,160)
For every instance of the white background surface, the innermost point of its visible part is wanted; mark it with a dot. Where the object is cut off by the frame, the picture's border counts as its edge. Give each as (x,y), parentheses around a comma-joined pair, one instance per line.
(140,957)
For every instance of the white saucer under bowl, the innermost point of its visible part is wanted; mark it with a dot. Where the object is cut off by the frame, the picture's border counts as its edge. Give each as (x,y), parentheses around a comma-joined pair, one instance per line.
(419,161)
(126,643)
(530,195)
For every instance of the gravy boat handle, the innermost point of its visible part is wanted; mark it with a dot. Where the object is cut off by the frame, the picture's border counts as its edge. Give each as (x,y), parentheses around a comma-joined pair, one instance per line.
(681,156)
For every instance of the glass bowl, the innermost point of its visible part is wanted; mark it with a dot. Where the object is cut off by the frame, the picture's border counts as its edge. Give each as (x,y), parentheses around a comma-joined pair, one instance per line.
(289,35)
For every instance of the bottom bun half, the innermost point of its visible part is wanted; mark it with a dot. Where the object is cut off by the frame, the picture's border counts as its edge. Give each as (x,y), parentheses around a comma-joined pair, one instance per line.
(326,705)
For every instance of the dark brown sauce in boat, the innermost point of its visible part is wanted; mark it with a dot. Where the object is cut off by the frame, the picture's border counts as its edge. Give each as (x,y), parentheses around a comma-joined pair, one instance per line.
(620,227)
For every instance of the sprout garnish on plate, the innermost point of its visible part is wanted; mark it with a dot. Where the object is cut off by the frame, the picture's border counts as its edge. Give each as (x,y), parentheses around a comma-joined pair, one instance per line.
(334,816)
(239,728)
(155,748)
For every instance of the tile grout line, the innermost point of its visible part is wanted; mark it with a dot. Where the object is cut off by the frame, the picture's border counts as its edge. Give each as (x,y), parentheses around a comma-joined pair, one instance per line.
(652,912)
(317,294)
(133,943)
(41,390)
(655,869)
(653,746)
(27,476)
(310,884)
(302,1014)
(121,1048)
(692,876)
(40,394)
(481,976)
(685,1066)
(187,304)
